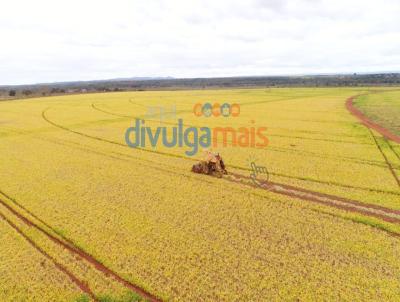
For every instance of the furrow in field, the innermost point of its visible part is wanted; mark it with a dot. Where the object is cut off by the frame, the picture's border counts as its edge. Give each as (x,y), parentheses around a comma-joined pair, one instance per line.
(393,149)
(155,166)
(306,195)
(288,176)
(192,159)
(364,211)
(288,150)
(277,128)
(192,125)
(68,245)
(383,213)
(380,129)
(344,158)
(309,195)
(152,165)
(332,183)
(389,164)
(84,287)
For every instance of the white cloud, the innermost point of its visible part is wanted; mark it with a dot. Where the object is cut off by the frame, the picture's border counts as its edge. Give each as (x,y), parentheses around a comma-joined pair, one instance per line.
(47,40)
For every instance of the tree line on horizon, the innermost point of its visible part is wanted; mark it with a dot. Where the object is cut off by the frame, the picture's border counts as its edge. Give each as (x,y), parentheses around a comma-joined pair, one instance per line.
(390,79)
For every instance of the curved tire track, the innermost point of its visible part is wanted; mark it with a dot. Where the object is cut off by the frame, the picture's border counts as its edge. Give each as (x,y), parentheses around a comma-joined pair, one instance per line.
(383,213)
(198,126)
(339,202)
(189,158)
(300,193)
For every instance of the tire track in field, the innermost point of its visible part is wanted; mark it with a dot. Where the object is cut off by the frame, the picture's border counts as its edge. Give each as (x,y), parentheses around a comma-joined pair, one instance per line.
(184,157)
(81,285)
(157,167)
(278,128)
(319,132)
(210,183)
(299,192)
(350,159)
(118,156)
(302,153)
(348,205)
(380,129)
(191,125)
(386,214)
(273,135)
(320,139)
(304,194)
(300,195)
(393,149)
(73,248)
(392,171)
(189,158)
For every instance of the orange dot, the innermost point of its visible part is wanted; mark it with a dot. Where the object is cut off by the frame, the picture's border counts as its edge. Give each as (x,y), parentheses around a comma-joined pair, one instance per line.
(197,109)
(235,110)
(216,109)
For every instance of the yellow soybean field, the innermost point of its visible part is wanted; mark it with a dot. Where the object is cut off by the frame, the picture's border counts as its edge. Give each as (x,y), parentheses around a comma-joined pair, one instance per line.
(85,217)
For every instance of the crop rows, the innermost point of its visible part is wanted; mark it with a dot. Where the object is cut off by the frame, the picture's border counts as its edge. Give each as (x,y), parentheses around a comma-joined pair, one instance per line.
(119,220)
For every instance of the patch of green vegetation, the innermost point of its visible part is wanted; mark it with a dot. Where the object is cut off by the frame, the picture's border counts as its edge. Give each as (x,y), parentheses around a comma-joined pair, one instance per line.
(382,108)
(127,297)
(83,298)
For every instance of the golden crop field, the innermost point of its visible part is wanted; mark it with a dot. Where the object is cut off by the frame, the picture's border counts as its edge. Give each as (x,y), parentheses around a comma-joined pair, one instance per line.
(85,217)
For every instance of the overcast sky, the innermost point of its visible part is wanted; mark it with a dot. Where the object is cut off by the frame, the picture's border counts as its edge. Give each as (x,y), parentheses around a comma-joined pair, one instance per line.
(63,40)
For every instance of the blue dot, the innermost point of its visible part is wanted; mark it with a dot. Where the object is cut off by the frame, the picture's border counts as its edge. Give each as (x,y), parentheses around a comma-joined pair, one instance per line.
(207,109)
(226,110)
